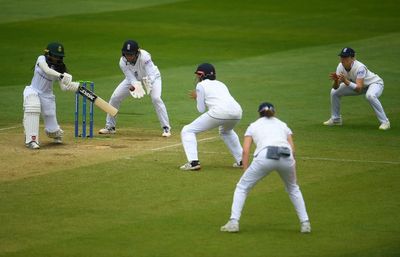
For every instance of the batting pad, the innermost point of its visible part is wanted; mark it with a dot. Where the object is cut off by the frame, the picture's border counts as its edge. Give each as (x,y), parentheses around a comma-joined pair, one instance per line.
(31,118)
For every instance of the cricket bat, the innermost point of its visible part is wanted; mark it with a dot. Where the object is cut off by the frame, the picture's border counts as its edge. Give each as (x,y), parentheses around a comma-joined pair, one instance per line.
(98,101)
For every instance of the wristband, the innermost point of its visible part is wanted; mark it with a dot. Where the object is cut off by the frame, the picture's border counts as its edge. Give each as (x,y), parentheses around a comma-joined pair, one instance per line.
(353,85)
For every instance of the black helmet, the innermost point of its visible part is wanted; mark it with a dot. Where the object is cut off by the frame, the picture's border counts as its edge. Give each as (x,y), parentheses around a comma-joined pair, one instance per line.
(206,71)
(54,49)
(265,107)
(130,47)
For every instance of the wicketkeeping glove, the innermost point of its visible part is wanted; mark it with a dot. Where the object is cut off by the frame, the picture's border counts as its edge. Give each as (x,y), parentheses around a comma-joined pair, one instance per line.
(138,91)
(147,84)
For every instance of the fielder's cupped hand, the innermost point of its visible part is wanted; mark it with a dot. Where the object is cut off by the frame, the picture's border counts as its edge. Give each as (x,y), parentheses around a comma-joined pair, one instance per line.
(333,76)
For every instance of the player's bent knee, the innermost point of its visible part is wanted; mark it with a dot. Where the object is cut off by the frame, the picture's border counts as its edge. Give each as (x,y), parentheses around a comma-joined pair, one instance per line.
(370,97)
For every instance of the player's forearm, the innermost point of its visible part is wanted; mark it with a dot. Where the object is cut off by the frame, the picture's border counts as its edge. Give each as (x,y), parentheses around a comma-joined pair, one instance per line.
(48,70)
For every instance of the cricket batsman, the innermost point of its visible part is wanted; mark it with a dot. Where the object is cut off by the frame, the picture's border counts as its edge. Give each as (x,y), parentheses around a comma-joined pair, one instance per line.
(39,97)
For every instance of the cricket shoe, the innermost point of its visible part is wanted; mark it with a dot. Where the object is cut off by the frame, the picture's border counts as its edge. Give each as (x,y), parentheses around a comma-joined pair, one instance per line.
(32,145)
(333,122)
(238,164)
(232,226)
(166,131)
(305,227)
(385,126)
(107,130)
(193,165)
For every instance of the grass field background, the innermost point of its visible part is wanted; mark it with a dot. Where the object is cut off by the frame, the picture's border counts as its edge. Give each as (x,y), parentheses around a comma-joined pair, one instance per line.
(132,199)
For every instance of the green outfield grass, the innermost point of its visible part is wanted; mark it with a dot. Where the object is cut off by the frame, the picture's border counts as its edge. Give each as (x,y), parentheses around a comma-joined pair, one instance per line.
(141,204)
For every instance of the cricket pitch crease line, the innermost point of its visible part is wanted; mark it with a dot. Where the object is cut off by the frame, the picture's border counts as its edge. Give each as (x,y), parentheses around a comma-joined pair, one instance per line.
(301,158)
(180,144)
(326,159)
(2,129)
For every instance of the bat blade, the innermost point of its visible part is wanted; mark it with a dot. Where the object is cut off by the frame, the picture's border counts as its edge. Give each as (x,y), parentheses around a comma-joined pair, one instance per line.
(108,108)
(98,101)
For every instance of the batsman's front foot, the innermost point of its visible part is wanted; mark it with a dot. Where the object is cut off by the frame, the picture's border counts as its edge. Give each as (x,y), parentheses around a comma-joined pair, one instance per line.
(232,227)
(107,130)
(385,126)
(333,122)
(305,227)
(193,165)
(166,131)
(32,145)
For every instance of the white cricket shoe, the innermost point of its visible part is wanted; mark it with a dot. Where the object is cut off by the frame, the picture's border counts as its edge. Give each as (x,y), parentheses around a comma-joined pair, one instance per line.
(193,165)
(332,122)
(385,126)
(238,164)
(232,226)
(107,130)
(166,132)
(32,145)
(305,227)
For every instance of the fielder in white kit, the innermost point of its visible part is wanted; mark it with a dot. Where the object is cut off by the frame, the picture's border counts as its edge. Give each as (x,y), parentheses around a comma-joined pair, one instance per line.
(354,78)
(220,110)
(39,97)
(139,71)
(274,151)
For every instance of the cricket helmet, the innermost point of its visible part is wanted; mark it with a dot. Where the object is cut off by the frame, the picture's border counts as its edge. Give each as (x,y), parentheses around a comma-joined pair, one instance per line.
(55,49)
(130,47)
(347,52)
(206,71)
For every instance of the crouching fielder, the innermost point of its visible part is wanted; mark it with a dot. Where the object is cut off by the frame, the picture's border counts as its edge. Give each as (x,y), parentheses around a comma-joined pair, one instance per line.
(39,97)
(274,151)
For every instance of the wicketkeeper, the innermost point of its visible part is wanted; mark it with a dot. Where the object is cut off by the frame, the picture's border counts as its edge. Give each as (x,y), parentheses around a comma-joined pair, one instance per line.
(139,71)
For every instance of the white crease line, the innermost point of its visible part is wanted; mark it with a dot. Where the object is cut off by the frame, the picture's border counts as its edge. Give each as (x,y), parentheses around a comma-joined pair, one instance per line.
(1,129)
(323,159)
(170,146)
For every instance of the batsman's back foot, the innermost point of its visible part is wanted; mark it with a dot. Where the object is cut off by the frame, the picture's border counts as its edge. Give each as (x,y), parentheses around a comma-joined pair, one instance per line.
(107,130)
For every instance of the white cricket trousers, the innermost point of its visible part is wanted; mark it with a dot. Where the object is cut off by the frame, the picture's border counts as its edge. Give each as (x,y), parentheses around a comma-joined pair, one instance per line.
(205,122)
(122,92)
(372,93)
(258,169)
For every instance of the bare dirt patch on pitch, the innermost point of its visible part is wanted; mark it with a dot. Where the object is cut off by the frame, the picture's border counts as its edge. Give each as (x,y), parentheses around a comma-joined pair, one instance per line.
(18,162)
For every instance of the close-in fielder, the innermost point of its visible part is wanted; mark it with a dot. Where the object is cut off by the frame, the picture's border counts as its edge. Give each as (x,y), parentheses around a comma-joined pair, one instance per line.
(139,69)
(39,97)
(354,78)
(220,110)
(274,151)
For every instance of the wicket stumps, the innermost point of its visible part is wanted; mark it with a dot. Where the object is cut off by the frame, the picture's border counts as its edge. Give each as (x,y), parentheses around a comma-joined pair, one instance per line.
(83,119)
